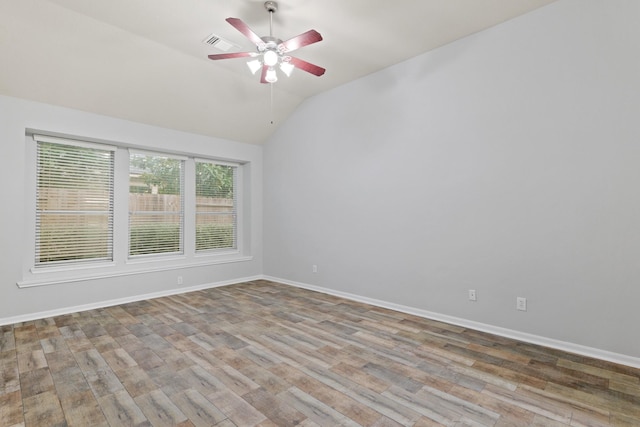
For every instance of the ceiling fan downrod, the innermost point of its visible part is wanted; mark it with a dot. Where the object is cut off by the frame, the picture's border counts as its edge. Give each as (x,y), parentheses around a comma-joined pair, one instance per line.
(272,7)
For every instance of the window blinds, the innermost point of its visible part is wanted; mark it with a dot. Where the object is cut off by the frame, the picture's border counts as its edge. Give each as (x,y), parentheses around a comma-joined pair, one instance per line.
(216,206)
(74,204)
(156,204)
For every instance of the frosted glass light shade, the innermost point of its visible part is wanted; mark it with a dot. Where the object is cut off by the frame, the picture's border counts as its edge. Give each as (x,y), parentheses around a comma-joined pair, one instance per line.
(270,58)
(271,75)
(286,68)
(254,65)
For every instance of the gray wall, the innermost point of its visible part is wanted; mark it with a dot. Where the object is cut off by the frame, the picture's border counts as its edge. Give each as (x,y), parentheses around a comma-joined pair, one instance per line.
(507,162)
(17,303)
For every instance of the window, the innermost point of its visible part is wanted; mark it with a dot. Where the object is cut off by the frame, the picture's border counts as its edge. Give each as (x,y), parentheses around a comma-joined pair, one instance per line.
(74,202)
(101,210)
(156,204)
(216,218)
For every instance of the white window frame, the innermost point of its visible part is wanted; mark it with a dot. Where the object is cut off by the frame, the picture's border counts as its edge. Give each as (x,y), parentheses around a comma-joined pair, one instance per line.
(122,264)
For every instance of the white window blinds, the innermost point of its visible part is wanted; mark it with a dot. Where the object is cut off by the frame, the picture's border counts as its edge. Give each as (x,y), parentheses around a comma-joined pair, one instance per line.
(216,206)
(156,204)
(74,205)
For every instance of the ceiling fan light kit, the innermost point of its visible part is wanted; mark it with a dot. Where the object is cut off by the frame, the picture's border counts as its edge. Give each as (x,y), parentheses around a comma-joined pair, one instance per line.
(271,52)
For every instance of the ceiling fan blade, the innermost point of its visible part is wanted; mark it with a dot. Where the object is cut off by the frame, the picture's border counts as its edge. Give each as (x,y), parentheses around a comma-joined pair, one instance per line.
(263,76)
(239,25)
(301,40)
(231,55)
(307,66)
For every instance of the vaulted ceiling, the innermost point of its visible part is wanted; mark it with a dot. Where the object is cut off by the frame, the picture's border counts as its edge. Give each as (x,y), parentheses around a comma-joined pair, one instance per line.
(145,60)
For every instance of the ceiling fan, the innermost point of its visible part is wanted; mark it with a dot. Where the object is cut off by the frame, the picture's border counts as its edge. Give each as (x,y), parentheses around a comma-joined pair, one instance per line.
(271,52)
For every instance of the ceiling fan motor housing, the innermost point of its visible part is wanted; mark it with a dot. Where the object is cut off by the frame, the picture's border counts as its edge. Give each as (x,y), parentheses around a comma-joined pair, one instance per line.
(271,43)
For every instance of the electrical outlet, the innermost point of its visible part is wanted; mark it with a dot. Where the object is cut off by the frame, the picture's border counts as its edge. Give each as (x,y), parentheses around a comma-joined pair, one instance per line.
(472,295)
(314,268)
(521,303)
(179,280)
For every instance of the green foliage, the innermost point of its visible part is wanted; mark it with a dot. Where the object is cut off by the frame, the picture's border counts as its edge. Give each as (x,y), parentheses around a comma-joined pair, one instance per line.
(165,238)
(214,236)
(54,249)
(145,240)
(154,238)
(214,180)
(157,171)
(66,166)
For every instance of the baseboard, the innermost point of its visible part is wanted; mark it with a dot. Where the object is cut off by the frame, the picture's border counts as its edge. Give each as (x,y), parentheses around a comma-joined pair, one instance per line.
(596,353)
(102,304)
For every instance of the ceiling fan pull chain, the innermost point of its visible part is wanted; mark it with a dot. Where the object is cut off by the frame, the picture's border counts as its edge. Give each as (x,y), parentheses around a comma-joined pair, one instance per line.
(271,112)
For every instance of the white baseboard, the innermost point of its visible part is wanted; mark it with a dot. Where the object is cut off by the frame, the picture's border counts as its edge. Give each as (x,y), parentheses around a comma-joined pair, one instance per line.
(596,353)
(102,304)
(504,332)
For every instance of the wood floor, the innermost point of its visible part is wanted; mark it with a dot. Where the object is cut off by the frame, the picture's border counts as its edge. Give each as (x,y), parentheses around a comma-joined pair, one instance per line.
(267,354)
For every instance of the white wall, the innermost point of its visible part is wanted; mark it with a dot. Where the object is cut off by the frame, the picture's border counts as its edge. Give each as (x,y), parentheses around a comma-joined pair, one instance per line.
(16,116)
(507,162)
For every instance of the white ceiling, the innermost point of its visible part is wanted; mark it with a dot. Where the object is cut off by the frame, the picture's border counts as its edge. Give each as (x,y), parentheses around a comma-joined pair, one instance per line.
(145,60)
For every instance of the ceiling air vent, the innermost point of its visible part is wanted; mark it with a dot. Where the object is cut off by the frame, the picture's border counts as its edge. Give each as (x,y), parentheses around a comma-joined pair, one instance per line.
(220,43)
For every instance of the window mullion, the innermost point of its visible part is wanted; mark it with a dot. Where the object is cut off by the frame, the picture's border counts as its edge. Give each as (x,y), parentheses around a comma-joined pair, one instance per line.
(189,207)
(121,209)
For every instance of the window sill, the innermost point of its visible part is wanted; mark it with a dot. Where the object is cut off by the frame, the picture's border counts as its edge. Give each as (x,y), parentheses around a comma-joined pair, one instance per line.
(131,268)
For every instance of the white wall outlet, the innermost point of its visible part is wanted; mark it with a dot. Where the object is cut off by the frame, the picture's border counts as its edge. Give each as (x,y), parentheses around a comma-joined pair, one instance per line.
(521,303)
(472,295)
(179,280)
(314,268)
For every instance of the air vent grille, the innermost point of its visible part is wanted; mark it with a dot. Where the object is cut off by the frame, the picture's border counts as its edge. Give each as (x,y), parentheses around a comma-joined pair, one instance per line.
(220,43)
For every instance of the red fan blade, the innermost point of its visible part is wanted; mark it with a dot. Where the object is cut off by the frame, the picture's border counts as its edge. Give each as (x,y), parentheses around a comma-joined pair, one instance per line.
(307,66)
(239,25)
(231,55)
(263,76)
(304,39)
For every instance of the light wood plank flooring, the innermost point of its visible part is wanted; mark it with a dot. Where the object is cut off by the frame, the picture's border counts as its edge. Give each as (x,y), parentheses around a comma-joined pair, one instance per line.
(267,354)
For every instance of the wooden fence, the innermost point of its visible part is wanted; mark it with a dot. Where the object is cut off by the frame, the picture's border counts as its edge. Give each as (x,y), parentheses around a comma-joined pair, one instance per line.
(210,210)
